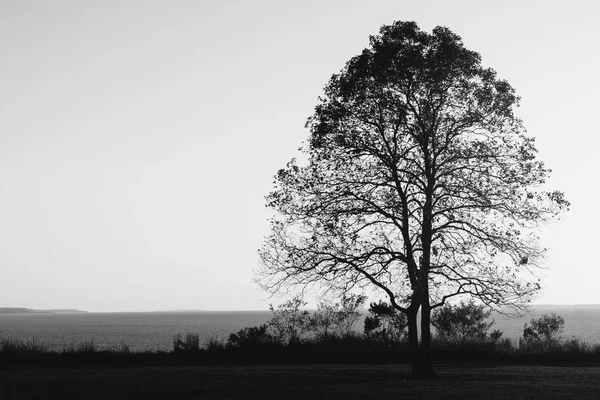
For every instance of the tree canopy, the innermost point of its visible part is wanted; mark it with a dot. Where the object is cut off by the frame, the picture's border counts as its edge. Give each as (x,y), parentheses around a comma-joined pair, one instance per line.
(420,182)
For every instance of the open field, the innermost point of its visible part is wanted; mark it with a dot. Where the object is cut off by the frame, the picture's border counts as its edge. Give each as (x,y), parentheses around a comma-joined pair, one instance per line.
(297,382)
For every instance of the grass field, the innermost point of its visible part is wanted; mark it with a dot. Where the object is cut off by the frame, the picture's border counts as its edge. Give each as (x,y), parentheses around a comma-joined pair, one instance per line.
(297,382)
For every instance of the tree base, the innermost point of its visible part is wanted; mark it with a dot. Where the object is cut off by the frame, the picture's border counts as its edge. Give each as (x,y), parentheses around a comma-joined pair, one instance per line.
(422,365)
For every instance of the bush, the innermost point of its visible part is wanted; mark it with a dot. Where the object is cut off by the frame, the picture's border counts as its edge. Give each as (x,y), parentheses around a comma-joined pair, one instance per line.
(289,322)
(85,347)
(544,332)
(547,328)
(19,346)
(214,344)
(324,321)
(88,346)
(251,337)
(191,343)
(337,319)
(349,313)
(121,348)
(464,321)
(385,324)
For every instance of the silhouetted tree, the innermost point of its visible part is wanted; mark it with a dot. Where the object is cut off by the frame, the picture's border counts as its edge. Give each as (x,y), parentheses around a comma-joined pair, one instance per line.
(462,321)
(546,328)
(336,319)
(253,337)
(289,321)
(323,322)
(385,323)
(419,183)
(349,313)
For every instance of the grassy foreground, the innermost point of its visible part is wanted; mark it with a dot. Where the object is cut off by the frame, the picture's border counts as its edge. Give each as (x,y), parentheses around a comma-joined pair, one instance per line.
(297,382)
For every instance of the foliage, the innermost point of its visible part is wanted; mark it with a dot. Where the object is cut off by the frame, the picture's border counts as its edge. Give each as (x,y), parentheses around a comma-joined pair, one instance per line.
(420,184)
(546,328)
(251,337)
(464,321)
(384,323)
(189,343)
(121,349)
(495,335)
(17,346)
(349,313)
(323,322)
(86,346)
(214,343)
(336,319)
(289,321)
(256,345)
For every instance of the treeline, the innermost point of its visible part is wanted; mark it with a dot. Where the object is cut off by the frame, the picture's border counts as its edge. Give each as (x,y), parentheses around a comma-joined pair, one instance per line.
(331,335)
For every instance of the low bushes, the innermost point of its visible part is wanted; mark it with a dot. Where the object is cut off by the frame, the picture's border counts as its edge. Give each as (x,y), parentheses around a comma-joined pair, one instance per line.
(327,335)
(33,346)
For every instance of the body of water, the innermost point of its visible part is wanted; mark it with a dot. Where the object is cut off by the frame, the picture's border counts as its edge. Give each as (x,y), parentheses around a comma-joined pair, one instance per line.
(155,330)
(139,330)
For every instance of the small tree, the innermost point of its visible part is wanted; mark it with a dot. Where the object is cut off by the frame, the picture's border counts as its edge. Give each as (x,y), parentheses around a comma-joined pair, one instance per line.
(332,319)
(384,323)
(324,321)
(546,328)
(463,321)
(289,322)
(349,313)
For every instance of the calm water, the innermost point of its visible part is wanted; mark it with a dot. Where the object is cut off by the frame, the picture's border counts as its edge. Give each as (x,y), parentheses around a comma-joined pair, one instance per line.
(154,331)
(140,331)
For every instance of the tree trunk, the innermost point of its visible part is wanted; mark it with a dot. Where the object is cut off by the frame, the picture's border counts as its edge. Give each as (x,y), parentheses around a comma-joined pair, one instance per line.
(413,340)
(424,366)
(418,362)
(413,334)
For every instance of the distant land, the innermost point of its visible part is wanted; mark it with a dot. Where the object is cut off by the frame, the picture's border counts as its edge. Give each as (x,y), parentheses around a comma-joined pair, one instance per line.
(20,310)
(23,310)
(566,306)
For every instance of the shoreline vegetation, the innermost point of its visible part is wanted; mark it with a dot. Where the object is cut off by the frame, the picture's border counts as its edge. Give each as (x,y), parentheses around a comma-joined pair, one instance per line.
(327,335)
(317,354)
(350,350)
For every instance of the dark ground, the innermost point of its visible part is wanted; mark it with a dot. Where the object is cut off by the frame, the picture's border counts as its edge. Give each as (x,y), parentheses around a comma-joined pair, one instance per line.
(297,382)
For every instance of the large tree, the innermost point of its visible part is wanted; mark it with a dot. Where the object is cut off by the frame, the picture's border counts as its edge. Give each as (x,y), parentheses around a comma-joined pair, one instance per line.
(419,183)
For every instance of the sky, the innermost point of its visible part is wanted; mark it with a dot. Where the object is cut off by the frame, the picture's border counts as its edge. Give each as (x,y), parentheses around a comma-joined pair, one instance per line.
(139,138)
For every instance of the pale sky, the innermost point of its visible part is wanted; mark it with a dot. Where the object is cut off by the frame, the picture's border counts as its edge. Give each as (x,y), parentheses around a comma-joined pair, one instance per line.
(139,138)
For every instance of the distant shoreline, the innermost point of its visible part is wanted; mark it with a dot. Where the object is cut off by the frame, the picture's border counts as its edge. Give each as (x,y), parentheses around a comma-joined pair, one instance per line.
(21,310)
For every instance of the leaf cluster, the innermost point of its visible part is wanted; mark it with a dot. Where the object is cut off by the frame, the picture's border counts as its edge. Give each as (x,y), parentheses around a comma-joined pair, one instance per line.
(464,321)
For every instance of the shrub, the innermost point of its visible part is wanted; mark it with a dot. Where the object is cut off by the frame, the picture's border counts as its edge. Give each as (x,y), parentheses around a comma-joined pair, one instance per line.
(121,349)
(190,343)
(384,323)
(545,328)
(88,346)
(18,346)
(213,344)
(495,335)
(251,337)
(349,313)
(324,321)
(336,319)
(289,322)
(464,321)
(544,334)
